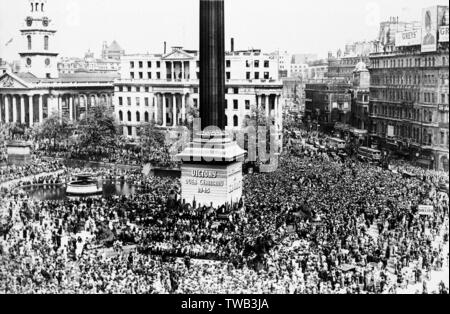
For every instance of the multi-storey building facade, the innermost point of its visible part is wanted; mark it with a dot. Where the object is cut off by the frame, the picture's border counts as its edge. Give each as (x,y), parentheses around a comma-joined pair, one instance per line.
(165,87)
(409,97)
(88,64)
(112,52)
(328,103)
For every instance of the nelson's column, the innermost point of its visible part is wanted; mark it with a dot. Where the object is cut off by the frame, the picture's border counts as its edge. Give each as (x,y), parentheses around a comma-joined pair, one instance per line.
(212,163)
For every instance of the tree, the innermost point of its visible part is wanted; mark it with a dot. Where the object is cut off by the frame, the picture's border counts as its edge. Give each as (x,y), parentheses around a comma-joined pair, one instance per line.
(53,129)
(150,136)
(153,145)
(98,128)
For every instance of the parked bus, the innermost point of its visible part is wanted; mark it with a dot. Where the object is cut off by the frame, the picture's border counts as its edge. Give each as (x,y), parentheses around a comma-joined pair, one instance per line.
(336,143)
(369,154)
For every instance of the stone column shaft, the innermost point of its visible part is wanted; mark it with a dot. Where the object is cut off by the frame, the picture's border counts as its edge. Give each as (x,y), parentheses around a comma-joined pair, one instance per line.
(164,110)
(174,108)
(22,109)
(41,108)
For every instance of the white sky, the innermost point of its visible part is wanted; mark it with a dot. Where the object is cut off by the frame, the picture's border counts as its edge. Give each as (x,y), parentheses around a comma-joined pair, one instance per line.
(140,26)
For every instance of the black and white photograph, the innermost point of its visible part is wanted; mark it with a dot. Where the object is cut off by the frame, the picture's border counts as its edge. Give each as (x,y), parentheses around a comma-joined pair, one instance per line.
(197,148)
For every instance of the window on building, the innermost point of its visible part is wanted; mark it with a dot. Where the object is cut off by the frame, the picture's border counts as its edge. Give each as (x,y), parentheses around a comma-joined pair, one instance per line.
(158,64)
(247,63)
(29,42)
(120,116)
(228,75)
(236,91)
(141,75)
(226,103)
(147,102)
(132,64)
(129,130)
(129,116)
(235,121)
(146,117)
(45,42)
(129,89)
(256,63)
(149,75)
(266,75)
(129,101)
(247,105)
(158,75)
(147,89)
(120,101)
(138,101)
(248,75)
(138,89)
(266,64)
(138,117)
(149,64)
(256,75)
(132,75)
(120,88)
(235,104)
(228,63)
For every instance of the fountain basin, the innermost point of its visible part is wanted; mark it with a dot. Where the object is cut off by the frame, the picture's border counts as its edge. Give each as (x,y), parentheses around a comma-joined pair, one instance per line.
(83,186)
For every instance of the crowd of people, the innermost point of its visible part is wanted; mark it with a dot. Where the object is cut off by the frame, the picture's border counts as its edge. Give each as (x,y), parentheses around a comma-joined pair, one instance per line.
(329,225)
(124,153)
(36,166)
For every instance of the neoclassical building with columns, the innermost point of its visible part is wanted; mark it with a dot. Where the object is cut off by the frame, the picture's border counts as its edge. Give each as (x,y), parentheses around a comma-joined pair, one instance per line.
(27,100)
(163,88)
(38,90)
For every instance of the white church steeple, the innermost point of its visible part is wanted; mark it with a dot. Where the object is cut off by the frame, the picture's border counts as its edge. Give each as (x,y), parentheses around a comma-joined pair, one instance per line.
(38,56)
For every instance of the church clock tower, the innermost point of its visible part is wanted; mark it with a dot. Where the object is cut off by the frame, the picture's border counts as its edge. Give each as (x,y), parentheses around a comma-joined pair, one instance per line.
(38,57)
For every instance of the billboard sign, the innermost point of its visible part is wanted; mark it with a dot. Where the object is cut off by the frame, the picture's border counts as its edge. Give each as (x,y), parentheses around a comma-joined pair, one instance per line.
(408,38)
(443,34)
(429,29)
(426,210)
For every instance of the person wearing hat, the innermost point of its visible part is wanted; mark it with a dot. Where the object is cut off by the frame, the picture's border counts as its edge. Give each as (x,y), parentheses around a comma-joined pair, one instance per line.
(429,38)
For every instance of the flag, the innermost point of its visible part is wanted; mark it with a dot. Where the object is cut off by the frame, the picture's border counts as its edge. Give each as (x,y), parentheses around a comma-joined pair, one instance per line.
(8,42)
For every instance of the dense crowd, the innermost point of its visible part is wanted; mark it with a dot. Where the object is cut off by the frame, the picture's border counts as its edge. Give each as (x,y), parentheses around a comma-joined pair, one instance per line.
(329,225)
(124,153)
(36,166)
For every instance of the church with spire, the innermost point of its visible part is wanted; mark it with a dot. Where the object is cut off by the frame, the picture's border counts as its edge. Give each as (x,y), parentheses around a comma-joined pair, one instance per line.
(38,90)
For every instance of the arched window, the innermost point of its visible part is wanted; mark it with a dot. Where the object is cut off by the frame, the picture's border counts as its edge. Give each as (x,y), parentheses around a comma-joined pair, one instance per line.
(32,7)
(120,116)
(146,117)
(45,42)
(42,7)
(138,117)
(36,7)
(129,116)
(235,121)
(29,42)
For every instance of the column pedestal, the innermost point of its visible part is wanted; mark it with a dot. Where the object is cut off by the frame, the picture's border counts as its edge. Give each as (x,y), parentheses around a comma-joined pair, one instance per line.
(211,173)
